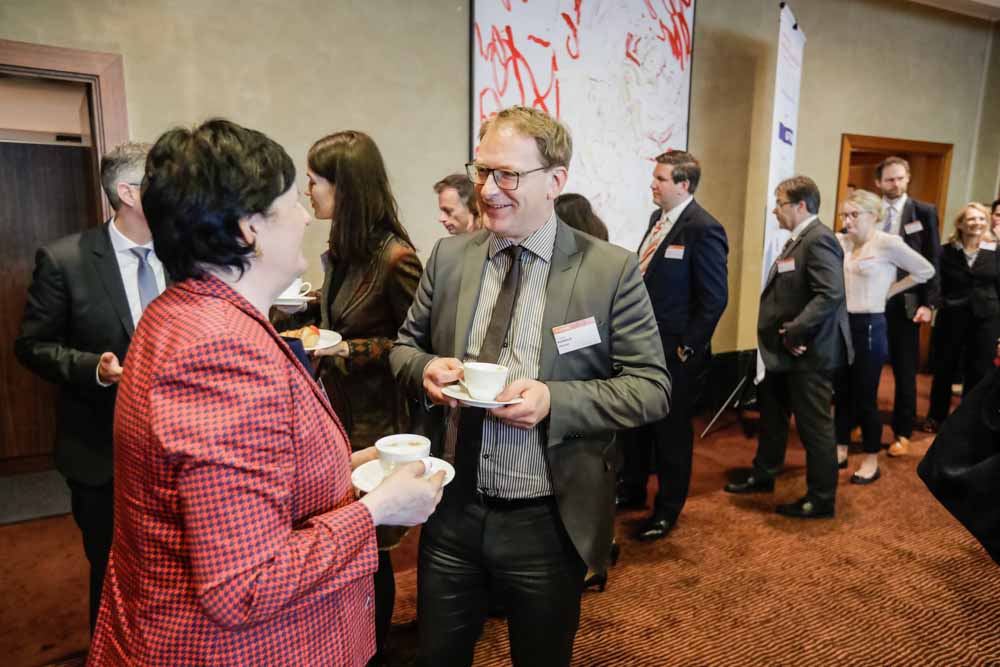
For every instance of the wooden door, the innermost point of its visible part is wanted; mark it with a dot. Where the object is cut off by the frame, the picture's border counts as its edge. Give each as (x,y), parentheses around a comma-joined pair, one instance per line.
(930,167)
(46,192)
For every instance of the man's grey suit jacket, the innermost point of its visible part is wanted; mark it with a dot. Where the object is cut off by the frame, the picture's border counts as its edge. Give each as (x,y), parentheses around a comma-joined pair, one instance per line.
(810,303)
(620,383)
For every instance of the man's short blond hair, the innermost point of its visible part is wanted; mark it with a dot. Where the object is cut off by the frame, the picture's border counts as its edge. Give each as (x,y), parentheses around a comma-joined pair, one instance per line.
(555,146)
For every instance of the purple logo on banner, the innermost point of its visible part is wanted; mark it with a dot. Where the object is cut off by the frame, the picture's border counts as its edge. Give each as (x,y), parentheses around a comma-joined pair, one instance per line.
(785,133)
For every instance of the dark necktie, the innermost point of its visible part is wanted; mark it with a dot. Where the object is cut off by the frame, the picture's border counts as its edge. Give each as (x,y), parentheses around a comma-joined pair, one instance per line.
(774,264)
(145,277)
(496,332)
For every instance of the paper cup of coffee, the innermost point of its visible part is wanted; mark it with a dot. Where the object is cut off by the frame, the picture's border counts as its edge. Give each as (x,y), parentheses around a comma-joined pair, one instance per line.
(484,381)
(402,448)
(296,290)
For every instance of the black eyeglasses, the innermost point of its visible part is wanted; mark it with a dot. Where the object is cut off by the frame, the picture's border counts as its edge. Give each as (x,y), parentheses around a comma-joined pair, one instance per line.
(506,179)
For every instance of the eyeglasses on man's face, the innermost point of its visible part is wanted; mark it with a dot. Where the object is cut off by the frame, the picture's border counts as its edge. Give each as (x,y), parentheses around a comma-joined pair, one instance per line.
(506,179)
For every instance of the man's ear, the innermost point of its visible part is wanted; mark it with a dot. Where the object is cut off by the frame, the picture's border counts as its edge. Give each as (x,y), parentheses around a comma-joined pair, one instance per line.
(557,181)
(126,193)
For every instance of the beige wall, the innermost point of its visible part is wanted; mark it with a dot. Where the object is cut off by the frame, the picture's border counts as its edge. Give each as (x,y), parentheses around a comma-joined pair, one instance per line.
(400,71)
(986,179)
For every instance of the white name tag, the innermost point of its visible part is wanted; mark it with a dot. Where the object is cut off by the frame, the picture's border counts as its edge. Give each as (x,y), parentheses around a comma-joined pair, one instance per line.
(913,227)
(786,265)
(987,245)
(576,335)
(674,252)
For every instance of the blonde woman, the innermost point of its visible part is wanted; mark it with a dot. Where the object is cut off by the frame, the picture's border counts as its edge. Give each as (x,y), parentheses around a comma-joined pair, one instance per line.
(968,321)
(871,262)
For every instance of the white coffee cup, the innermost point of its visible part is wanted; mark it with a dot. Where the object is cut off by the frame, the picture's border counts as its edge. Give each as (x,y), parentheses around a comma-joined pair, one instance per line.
(296,290)
(403,448)
(484,381)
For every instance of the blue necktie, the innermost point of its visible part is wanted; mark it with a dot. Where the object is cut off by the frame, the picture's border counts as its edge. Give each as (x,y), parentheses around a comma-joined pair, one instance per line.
(145,277)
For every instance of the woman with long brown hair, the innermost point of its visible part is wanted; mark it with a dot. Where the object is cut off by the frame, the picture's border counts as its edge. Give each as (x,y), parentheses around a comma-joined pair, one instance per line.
(371,273)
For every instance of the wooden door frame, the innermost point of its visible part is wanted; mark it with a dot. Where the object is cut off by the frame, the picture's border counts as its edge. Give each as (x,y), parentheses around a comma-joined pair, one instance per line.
(863,142)
(103,72)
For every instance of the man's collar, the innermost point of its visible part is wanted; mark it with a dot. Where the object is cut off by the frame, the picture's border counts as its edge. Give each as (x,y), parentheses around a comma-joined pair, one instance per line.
(540,242)
(675,213)
(797,232)
(897,203)
(119,241)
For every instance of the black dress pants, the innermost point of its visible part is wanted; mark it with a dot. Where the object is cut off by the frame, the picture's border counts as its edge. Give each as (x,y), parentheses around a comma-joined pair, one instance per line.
(904,355)
(960,341)
(807,395)
(94,510)
(857,385)
(672,438)
(471,550)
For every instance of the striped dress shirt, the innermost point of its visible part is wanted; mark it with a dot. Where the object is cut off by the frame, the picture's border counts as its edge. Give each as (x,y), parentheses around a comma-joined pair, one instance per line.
(511,462)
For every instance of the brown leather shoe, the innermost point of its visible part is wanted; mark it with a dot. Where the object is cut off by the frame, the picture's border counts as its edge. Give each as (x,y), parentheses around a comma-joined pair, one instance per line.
(900,447)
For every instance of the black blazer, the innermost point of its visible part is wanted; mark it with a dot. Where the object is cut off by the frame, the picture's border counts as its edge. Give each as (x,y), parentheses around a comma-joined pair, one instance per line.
(690,293)
(962,466)
(976,288)
(77,310)
(810,303)
(927,242)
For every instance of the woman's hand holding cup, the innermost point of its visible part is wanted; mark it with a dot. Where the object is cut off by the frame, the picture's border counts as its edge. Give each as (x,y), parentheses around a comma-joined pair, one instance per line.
(406,497)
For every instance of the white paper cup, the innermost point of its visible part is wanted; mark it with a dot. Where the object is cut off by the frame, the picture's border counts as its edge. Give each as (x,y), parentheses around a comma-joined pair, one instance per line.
(402,448)
(484,381)
(296,290)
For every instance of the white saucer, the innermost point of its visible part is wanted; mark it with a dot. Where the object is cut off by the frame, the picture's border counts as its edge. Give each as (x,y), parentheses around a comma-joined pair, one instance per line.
(369,475)
(293,300)
(327,339)
(457,392)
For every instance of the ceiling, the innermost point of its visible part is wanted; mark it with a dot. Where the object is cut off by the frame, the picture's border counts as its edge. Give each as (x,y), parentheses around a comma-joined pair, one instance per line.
(984,9)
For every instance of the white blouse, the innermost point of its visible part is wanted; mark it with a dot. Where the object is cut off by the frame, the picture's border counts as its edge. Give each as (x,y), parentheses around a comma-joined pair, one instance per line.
(867,278)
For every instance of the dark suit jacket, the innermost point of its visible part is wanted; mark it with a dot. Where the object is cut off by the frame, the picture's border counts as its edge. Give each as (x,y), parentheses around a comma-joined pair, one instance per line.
(810,303)
(77,310)
(689,294)
(976,288)
(927,242)
(619,383)
(962,466)
(367,311)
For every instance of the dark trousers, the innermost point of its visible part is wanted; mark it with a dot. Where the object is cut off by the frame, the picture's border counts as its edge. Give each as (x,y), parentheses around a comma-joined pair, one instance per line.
(856,386)
(671,437)
(385,600)
(904,355)
(523,557)
(960,341)
(807,395)
(94,510)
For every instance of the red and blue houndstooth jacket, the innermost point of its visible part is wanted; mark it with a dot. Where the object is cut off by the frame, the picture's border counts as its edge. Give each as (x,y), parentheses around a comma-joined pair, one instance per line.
(237,538)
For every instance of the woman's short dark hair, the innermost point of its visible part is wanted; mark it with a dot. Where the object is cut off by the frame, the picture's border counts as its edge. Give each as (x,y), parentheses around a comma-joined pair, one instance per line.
(993,207)
(575,210)
(364,209)
(199,183)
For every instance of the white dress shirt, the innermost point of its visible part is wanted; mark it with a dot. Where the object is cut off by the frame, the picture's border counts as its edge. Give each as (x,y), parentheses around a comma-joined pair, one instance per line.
(897,213)
(670,217)
(128,265)
(797,232)
(868,277)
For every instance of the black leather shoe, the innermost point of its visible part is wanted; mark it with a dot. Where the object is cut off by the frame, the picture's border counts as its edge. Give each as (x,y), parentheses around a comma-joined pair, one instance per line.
(804,508)
(630,501)
(751,485)
(655,529)
(858,479)
(842,465)
(598,581)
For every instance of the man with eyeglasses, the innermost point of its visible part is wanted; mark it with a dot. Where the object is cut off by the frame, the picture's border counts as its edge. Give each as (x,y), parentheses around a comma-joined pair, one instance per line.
(803,337)
(83,305)
(532,502)
(917,223)
(683,262)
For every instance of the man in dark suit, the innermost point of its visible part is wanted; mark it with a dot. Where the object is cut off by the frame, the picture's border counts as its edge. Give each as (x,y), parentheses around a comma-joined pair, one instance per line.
(532,502)
(803,336)
(85,299)
(683,261)
(917,223)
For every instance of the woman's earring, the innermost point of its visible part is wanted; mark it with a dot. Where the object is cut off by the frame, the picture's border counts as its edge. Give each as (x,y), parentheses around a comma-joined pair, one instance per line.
(257,252)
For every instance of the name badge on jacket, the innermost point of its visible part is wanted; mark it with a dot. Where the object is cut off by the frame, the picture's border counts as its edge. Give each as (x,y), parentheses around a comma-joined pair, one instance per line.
(576,335)
(913,227)
(674,252)
(988,245)
(786,265)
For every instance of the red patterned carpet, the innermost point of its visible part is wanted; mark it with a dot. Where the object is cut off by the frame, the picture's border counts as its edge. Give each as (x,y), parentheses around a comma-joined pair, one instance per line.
(892,580)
